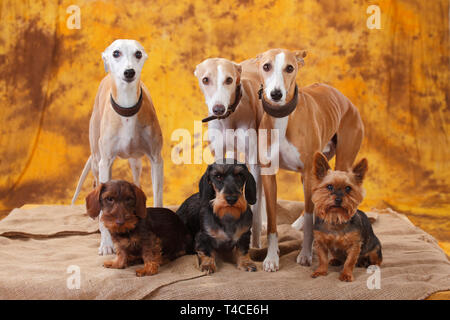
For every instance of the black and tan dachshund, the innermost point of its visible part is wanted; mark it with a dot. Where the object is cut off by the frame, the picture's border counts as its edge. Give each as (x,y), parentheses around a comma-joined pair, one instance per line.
(219,217)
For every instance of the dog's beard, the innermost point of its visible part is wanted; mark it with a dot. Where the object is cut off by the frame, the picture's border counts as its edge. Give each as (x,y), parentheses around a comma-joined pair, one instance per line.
(326,209)
(336,215)
(114,228)
(221,207)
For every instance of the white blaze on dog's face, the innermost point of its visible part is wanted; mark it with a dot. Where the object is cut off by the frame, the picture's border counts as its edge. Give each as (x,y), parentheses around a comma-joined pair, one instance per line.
(124,59)
(218,78)
(278,69)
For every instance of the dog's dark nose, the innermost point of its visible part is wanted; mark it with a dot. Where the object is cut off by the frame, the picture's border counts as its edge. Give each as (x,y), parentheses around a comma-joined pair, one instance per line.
(276,95)
(338,201)
(231,199)
(120,222)
(218,109)
(129,73)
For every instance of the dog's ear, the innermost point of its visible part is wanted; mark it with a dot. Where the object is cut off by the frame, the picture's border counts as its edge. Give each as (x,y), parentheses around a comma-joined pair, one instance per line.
(196,70)
(359,170)
(205,188)
(141,200)
(321,166)
(93,201)
(144,55)
(238,69)
(299,55)
(105,61)
(250,187)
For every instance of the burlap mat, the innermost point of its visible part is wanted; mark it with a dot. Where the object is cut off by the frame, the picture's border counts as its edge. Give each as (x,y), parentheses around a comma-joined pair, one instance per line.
(38,246)
(48,221)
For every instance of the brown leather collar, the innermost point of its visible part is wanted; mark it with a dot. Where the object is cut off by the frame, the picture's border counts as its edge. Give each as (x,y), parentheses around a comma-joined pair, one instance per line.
(231,108)
(127,112)
(281,111)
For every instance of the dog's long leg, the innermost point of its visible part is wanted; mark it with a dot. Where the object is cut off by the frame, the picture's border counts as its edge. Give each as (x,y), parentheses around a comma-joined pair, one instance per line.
(272,261)
(305,256)
(157,179)
(106,244)
(136,169)
(255,170)
(298,224)
(349,139)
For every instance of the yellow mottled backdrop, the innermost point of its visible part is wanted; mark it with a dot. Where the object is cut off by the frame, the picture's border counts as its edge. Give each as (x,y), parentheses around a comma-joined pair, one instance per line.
(397,76)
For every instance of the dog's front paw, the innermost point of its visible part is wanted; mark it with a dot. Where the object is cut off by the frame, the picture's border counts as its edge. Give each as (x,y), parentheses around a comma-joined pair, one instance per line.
(113,264)
(106,247)
(271,263)
(346,276)
(207,263)
(149,269)
(247,266)
(319,273)
(208,267)
(108,264)
(304,258)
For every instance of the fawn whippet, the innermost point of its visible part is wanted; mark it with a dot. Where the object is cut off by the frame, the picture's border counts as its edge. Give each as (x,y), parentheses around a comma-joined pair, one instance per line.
(233,105)
(309,119)
(124,124)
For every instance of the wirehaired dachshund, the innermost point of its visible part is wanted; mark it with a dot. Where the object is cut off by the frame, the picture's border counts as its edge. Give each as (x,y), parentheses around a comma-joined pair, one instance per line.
(139,234)
(219,217)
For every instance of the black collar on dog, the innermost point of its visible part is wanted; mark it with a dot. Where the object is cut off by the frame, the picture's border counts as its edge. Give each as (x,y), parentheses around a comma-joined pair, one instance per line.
(127,112)
(231,108)
(281,111)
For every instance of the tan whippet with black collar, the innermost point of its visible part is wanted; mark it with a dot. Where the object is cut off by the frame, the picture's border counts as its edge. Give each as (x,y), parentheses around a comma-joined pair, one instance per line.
(233,104)
(124,124)
(309,119)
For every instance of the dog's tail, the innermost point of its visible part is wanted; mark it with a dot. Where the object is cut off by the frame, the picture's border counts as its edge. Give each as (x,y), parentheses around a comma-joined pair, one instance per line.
(85,172)
(298,224)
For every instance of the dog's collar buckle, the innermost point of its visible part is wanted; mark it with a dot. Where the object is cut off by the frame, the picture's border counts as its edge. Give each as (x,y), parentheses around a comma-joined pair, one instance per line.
(127,112)
(231,108)
(282,111)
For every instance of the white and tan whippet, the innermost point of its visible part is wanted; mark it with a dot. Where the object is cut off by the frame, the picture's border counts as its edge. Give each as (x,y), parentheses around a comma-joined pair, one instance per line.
(233,106)
(309,119)
(123,124)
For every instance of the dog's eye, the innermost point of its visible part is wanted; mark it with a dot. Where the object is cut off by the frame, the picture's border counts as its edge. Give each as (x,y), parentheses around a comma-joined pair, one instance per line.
(205,80)
(109,199)
(129,200)
(330,187)
(138,54)
(348,189)
(219,177)
(267,67)
(116,54)
(229,80)
(289,69)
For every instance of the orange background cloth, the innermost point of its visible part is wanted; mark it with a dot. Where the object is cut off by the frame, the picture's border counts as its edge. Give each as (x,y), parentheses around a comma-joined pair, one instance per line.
(398,77)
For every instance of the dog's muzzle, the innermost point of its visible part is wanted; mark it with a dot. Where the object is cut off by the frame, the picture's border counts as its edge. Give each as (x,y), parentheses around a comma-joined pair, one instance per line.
(129,75)
(231,108)
(231,199)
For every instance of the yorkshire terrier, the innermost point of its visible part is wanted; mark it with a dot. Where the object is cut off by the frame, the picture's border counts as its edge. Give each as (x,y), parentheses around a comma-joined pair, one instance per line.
(140,235)
(339,226)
